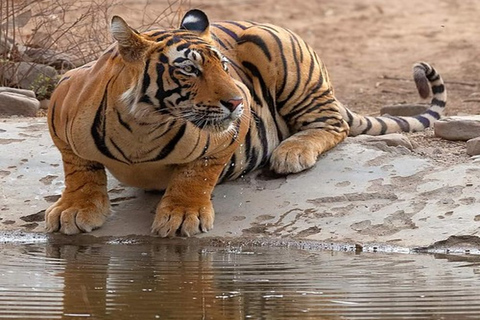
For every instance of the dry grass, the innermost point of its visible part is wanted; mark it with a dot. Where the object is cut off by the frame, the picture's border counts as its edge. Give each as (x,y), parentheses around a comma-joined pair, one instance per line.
(72,30)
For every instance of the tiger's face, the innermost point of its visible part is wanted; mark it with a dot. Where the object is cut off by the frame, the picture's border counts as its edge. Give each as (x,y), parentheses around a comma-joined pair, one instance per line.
(186,78)
(193,83)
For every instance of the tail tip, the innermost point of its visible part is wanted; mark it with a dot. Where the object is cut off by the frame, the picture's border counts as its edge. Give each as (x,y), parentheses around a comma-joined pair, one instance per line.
(420,71)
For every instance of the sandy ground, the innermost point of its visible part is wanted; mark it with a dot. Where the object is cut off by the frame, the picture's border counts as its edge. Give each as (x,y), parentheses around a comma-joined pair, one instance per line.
(369,47)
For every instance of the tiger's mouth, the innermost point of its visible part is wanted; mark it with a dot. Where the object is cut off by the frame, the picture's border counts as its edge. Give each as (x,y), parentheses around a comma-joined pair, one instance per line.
(221,119)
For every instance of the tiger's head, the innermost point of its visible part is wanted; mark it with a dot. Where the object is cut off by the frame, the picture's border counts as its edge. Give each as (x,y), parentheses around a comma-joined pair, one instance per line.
(180,74)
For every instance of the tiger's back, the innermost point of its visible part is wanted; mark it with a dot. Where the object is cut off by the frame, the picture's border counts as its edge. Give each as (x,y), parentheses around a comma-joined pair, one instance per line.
(292,92)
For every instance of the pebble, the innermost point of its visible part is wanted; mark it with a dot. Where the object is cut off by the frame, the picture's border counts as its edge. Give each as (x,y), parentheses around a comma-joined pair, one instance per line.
(406,110)
(473,146)
(391,140)
(461,128)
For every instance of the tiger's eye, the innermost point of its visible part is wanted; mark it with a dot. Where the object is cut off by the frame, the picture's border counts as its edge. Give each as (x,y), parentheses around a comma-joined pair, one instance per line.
(188,68)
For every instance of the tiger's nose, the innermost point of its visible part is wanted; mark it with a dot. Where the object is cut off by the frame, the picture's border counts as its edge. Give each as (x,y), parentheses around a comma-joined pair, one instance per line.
(232,104)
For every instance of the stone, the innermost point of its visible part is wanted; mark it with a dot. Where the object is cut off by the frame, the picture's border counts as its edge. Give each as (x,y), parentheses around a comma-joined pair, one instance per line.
(16,104)
(405,110)
(461,128)
(44,104)
(28,93)
(391,140)
(5,46)
(28,75)
(59,61)
(473,146)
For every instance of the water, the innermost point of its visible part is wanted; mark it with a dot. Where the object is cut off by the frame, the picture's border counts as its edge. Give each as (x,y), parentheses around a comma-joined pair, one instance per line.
(185,279)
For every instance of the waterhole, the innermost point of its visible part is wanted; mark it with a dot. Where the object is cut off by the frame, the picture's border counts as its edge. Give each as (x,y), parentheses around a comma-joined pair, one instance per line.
(183,279)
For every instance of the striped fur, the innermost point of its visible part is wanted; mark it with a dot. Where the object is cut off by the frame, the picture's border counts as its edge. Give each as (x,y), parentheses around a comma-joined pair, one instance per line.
(183,109)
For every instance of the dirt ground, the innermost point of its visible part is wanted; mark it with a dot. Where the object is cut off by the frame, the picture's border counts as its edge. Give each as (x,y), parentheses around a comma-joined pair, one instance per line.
(369,46)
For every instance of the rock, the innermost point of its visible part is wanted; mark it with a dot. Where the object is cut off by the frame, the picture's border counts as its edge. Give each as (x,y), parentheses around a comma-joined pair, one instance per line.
(473,146)
(28,93)
(5,46)
(40,39)
(59,61)
(12,103)
(44,104)
(28,75)
(391,140)
(458,128)
(406,110)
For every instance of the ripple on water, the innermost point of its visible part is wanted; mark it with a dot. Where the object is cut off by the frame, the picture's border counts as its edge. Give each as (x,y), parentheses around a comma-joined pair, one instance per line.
(166,280)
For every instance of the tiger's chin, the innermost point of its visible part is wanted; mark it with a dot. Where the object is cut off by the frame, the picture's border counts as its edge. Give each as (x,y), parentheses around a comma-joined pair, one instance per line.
(220,125)
(226,125)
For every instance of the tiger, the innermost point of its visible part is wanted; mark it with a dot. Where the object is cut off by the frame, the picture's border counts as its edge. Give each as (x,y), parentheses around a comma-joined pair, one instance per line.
(183,109)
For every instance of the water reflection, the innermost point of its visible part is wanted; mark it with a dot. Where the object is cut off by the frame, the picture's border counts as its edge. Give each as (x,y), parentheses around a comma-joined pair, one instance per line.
(179,280)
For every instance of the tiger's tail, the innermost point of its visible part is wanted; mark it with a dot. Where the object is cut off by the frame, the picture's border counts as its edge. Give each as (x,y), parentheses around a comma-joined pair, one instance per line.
(425,77)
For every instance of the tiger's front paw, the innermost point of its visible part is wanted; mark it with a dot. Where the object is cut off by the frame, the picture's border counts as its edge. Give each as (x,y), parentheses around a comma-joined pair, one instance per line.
(292,157)
(71,215)
(186,218)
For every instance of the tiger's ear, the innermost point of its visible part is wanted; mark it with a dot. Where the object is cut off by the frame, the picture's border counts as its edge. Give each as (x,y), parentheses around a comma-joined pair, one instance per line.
(197,21)
(130,44)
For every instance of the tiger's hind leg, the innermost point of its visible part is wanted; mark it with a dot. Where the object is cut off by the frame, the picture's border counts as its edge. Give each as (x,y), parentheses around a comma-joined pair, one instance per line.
(316,130)
(84,204)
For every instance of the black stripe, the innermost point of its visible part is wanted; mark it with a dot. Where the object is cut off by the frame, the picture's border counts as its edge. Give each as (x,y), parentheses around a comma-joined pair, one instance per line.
(229,32)
(65,129)
(258,41)
(262,136)
(298,81)
(146,78)
(171,144)
(250,154)
(205,148)
(61,80)
(94,166)
(297,42)
(194,147)
(432,113)
(162,35)
(369,126)
(127,160)
(433,76)
(350,117)
(282,56)
(169,126)
(424,121)
(309,96)
(230,167)
(235,23)
(438,89)
(265,93)
(123,123)
(321,120)
(384,128)
(98,129)
(52,119)
(402,123)
(221,43)
(439,103)
(301,111)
